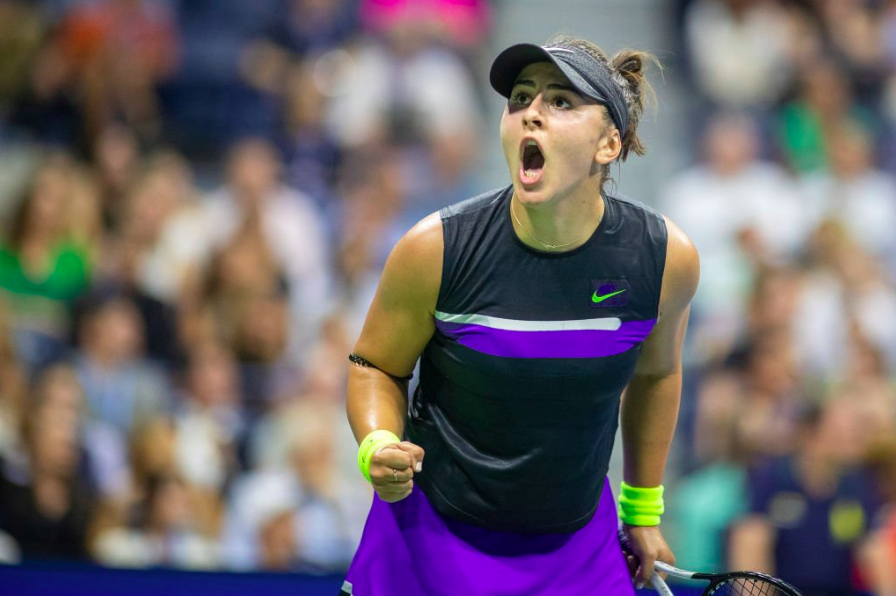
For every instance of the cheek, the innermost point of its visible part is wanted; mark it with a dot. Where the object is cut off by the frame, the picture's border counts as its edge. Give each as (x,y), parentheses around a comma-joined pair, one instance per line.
(578,152)
(507,138)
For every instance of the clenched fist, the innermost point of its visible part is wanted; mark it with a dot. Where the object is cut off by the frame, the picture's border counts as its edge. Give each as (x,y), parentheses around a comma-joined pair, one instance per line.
(392,470)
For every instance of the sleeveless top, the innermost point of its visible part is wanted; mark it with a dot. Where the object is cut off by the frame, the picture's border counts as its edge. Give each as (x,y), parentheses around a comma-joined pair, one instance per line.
(518,400)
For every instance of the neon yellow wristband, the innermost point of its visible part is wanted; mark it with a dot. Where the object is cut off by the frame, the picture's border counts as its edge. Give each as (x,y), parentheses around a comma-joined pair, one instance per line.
(370,445)
(641,506)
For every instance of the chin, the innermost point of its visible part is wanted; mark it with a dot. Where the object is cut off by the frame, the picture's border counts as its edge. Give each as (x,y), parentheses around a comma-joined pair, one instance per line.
(532,195)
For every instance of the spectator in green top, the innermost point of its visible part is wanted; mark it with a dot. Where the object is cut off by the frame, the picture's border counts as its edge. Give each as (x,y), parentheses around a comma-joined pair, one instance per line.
(823,105)
(45,259)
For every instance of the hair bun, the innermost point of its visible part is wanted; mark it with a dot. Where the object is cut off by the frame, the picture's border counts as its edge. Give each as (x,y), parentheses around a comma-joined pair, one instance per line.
(628,63)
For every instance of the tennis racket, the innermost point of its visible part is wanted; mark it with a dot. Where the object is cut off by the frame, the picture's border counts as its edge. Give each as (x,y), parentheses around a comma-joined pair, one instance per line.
(737,583)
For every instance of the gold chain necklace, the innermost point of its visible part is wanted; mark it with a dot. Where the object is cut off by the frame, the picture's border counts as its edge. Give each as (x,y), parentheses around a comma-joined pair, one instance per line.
(553,246)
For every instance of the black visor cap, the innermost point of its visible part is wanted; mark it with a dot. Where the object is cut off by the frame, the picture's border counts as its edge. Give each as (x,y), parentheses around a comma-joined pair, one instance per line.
(511,62)
(601,87)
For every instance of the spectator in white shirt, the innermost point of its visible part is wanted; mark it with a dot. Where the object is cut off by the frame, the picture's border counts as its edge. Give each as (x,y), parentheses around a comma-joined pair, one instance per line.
(740,212)
(291,226)
(854,193)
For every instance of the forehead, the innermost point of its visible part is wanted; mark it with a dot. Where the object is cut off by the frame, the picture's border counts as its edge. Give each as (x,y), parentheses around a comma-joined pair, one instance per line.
(543,73)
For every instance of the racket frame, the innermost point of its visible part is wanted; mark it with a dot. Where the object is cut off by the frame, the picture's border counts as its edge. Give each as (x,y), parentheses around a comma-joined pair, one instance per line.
(715,579)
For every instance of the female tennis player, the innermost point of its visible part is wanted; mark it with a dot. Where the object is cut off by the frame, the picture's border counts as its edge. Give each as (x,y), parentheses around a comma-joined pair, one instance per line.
(531,309)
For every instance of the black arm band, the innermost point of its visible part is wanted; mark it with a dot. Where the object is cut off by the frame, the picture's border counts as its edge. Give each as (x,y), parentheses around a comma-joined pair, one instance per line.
(361,361)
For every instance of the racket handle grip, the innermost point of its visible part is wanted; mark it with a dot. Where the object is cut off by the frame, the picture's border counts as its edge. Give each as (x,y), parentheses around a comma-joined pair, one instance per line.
(660,585)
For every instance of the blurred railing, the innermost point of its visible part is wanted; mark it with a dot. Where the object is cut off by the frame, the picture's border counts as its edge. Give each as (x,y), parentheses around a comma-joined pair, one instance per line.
(76,579)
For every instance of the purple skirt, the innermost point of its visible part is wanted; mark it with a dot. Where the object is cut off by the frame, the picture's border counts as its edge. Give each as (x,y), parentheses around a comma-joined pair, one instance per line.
(410,550)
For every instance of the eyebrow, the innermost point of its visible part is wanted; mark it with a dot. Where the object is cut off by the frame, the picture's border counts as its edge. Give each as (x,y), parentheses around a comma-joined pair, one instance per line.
(530,83)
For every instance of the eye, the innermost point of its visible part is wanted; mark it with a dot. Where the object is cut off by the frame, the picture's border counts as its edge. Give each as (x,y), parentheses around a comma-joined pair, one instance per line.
(561,102)
(520,98)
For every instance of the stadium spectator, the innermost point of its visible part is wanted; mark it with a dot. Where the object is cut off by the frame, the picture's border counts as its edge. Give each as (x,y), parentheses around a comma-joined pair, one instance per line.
(704,503)
(372,218)
(47,109)
(846,307)
(741,212)
(160,219)
(720,33)
(210,420)
(44,262)
(854,193)
(120,51)
(301,475)
(809,511)
(165,520)
(823,104)
(123,389)
(312,154)
(408,90)
(773,398)
(162,529)
(243,303)
(308,28)
(46,502)
(142,263)
(854,32)
(255,202)
(258,500)
(117,160)
(261,342)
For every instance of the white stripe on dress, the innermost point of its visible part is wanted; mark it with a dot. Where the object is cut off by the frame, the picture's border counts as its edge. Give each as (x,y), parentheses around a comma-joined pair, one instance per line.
(602,324)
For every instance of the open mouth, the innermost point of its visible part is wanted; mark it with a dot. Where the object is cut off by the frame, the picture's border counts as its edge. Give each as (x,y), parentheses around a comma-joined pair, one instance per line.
(532,163)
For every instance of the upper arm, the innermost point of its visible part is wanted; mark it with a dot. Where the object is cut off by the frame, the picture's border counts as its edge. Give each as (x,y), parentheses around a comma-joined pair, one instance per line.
(661,353)
(400,321)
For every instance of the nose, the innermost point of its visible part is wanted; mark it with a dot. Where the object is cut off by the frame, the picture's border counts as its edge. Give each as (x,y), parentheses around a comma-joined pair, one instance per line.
(533,117)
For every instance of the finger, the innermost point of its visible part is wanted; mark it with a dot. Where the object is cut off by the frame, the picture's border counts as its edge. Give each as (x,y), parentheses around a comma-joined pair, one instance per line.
(395,492)
(391,456)
(645,570)
(665,556)
(386,475)
(416,452)
(395,489)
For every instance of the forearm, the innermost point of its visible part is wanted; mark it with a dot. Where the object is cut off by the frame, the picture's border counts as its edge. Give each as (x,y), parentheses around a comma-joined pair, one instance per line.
(649,415)
(375,401)
(751,545)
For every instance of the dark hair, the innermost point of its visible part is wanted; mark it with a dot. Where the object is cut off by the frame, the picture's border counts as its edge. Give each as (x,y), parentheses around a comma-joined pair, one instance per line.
(628,68)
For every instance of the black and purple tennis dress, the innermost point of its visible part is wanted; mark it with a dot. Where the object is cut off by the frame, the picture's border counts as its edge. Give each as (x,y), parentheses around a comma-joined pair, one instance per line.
(517,409)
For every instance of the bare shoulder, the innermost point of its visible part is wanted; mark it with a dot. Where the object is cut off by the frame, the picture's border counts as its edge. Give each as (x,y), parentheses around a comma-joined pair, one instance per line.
(415,265)
(682,272)
(425,237)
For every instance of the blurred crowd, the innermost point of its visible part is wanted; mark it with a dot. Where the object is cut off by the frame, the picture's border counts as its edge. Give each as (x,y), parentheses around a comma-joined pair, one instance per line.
(788,432)
(198,197)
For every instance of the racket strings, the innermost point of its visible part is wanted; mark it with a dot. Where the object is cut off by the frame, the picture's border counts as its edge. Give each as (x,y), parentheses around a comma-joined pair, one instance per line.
(745,586)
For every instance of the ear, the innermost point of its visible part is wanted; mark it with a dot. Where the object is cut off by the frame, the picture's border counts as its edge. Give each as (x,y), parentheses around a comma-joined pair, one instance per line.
(608,147)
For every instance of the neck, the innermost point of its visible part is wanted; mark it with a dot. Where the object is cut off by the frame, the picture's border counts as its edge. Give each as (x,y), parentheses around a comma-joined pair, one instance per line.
(559,225)
(37,237)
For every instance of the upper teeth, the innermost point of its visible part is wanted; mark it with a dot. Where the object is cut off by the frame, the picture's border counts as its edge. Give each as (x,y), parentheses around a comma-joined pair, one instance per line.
(531,143)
